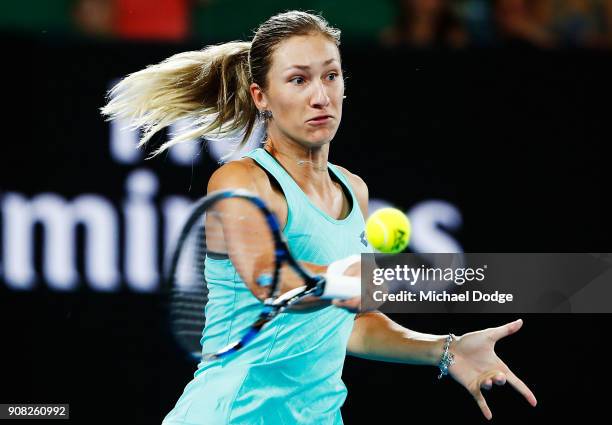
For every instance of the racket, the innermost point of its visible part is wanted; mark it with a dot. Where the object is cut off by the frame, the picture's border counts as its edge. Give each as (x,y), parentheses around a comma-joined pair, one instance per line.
(236,225)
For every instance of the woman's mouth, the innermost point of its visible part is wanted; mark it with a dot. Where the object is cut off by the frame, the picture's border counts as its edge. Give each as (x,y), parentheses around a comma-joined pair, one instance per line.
(320,120)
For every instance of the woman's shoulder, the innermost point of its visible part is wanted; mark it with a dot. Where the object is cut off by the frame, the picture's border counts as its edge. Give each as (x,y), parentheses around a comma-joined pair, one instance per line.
(246,174)
(359,186)
(357,183)
(238,174)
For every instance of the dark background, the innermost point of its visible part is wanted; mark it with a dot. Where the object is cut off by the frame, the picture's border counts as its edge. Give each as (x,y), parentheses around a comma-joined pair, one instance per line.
(515,138)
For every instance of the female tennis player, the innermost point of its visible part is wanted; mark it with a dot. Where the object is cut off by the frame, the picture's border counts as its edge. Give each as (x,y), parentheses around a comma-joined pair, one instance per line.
(290,76)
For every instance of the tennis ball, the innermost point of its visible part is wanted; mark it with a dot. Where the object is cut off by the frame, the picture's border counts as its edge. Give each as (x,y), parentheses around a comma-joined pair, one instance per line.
(388,230)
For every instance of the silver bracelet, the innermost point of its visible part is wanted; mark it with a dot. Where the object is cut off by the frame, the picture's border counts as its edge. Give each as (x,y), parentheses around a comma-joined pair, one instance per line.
(448,359)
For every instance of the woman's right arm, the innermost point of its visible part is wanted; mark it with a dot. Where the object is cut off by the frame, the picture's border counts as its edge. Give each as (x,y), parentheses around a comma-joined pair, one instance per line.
(242,175)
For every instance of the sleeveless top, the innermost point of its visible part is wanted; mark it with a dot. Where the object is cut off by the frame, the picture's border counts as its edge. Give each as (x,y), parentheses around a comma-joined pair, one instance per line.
(291,372)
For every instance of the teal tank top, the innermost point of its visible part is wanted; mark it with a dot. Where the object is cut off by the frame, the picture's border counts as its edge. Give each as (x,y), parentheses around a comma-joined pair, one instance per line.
(291,372)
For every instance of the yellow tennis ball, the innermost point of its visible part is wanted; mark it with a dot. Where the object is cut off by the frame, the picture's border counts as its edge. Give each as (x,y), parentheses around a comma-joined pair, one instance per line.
(388,230)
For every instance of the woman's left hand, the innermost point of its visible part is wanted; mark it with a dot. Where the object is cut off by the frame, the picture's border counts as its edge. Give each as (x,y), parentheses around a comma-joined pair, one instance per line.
(478,367)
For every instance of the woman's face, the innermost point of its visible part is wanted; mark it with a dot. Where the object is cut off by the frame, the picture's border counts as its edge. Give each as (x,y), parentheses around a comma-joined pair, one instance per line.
(304,82)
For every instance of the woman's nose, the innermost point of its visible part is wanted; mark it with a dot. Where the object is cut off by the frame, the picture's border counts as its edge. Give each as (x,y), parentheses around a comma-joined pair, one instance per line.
(319,97)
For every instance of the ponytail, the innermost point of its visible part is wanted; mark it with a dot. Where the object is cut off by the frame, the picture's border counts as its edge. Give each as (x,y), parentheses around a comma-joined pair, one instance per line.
(209,86)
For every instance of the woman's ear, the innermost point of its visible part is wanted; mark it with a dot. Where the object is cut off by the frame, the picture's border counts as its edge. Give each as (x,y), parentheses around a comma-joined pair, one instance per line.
(258,96)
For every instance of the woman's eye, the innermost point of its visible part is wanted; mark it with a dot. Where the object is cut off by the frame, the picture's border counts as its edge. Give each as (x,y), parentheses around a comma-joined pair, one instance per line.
(334,75)
(298,80)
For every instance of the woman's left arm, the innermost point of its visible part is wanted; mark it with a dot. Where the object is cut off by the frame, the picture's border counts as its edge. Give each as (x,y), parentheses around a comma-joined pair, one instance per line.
(476,365)
(376,337)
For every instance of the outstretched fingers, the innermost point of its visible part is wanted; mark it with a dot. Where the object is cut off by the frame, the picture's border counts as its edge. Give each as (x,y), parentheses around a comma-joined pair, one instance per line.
(505,330)
(482,403)
(521,388)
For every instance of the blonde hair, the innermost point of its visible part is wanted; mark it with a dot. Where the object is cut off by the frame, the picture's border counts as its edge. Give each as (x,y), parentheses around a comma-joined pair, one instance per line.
(210,86)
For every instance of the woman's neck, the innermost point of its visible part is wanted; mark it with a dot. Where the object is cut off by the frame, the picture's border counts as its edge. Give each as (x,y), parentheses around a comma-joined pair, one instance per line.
(307,165)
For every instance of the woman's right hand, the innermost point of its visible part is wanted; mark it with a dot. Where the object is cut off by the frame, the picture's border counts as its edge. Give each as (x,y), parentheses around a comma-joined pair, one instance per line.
(351,304)
(307,304)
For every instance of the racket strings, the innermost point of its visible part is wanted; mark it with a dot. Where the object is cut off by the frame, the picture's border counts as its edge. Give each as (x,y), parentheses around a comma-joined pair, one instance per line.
(234,228)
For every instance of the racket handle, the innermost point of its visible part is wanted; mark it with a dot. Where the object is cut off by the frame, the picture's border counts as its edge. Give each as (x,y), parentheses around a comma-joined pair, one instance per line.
(337,284)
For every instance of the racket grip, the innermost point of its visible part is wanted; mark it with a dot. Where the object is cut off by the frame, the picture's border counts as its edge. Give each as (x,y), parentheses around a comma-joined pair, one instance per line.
(337,284)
